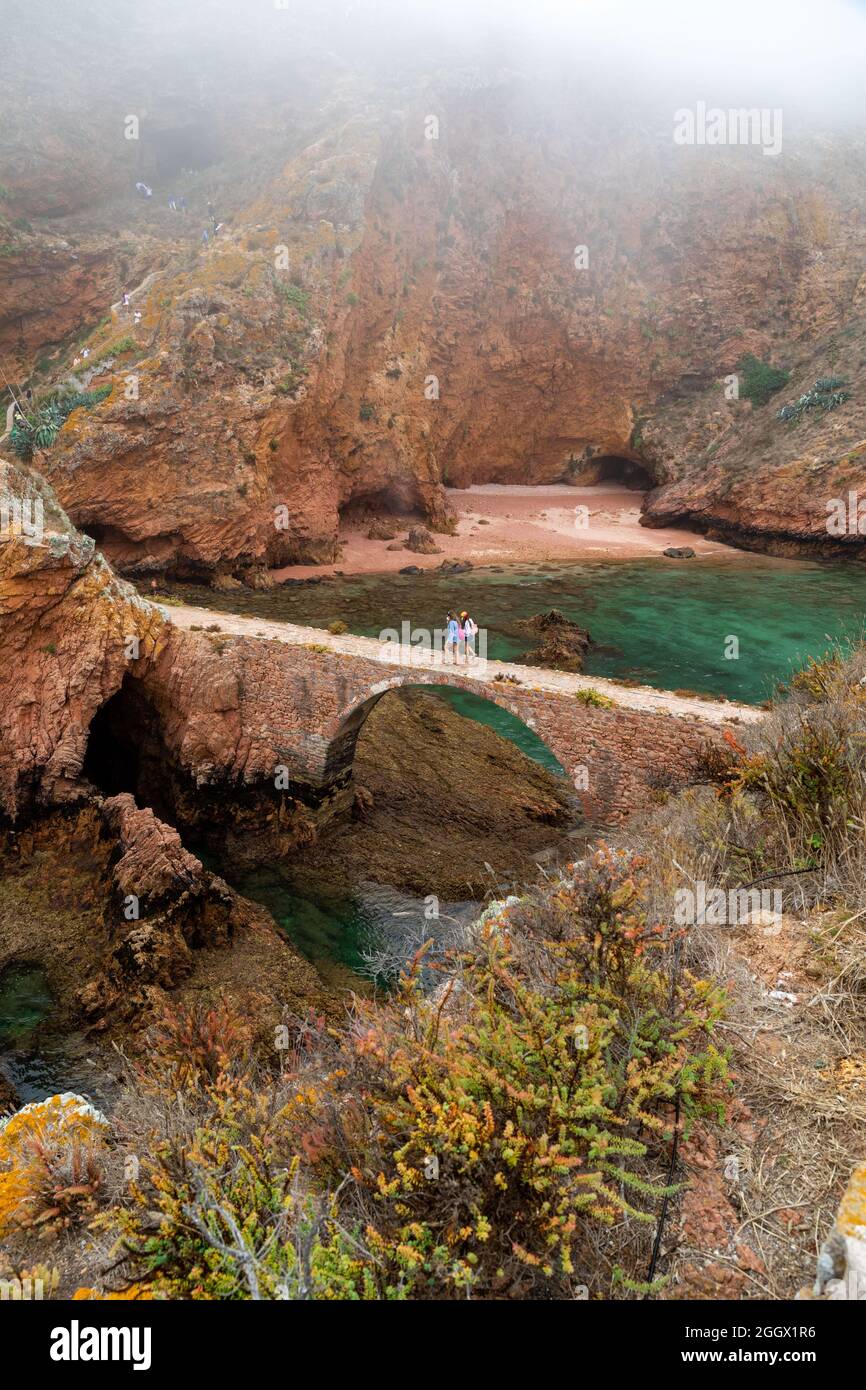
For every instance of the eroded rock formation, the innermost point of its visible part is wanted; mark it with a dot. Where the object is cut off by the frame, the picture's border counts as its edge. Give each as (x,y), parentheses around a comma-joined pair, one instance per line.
(68,629)
(100,891)
(549,289)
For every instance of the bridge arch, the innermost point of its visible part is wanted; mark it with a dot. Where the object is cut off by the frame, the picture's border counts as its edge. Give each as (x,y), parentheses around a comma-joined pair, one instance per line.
(345,728)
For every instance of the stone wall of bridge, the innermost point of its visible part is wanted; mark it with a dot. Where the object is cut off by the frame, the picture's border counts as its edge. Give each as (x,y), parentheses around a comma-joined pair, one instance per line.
(238,708)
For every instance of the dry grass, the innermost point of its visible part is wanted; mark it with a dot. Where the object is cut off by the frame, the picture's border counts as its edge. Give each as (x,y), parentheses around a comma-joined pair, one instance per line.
(790,814)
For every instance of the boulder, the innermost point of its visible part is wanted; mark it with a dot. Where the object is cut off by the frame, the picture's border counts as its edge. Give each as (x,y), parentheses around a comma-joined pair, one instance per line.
(421,541)
(259,579)
(562,644)
(679,552)
(455,566)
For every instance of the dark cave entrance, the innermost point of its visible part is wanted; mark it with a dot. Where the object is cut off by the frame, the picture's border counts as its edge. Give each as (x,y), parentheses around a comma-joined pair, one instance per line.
(126,752)
(171,150)
(96,532)
(397,502)
(611,468)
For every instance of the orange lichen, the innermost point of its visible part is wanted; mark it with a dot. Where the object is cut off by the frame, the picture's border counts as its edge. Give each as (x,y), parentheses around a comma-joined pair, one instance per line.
(46,1160)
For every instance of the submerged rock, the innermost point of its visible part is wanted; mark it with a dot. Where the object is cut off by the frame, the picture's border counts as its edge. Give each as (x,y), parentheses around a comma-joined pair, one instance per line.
(411,569)
(563,644)
(455,566)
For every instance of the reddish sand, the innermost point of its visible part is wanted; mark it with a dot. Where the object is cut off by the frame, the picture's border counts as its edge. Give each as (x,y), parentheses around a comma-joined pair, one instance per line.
(508,524)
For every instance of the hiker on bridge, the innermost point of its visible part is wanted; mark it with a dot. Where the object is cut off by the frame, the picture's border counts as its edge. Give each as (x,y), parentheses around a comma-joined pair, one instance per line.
(452,637)
(470,629)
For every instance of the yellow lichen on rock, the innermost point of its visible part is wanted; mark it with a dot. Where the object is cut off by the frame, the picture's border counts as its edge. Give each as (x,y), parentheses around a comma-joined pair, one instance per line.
(851,1219)
(41,1147)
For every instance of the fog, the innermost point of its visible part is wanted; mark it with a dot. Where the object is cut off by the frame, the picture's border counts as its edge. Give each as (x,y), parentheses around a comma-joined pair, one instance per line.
(809,58)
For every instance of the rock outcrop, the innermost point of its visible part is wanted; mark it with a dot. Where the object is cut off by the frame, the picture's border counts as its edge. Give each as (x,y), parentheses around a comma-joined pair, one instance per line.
(126,913)
(562,644)
(69,631)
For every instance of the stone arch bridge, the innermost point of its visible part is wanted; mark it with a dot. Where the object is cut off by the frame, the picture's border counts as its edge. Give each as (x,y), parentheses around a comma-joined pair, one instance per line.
(283,695)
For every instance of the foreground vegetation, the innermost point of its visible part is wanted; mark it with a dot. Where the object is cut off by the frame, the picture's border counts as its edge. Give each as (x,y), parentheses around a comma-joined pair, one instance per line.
(508,1135)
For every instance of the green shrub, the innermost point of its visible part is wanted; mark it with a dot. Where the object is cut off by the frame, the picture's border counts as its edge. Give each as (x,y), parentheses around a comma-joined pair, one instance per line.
(39,429)
(760,379)
(485,1151)
(296,297)
(594,699)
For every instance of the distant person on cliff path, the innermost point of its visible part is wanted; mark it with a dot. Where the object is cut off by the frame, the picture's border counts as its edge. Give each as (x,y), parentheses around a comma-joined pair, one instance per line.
(452,636)
(470,628)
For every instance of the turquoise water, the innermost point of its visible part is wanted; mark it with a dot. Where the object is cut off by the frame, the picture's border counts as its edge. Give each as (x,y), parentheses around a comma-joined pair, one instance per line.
(25,1000)
(663,622)
(508,725)
(373,931)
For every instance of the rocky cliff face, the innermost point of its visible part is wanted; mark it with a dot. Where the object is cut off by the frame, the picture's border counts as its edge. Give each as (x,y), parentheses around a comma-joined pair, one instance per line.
(96,889)
(69,628)
(429,280)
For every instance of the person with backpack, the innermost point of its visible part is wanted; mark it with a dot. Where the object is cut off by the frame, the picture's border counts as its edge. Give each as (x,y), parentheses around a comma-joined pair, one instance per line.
(470,630)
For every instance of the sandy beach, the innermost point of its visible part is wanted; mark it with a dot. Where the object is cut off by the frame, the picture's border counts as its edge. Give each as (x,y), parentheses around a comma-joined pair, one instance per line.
(502,523)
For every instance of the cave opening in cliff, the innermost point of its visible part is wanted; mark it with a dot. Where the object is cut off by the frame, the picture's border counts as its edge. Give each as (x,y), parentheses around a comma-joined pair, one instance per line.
(126,751)
(612,468)
(380,504)
(172,150)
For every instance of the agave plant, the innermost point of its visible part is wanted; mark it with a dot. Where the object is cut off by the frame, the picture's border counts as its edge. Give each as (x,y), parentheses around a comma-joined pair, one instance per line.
(40,429)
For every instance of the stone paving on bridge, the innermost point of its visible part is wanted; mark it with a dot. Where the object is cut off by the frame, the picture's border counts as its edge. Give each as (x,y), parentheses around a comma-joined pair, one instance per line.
(640,697)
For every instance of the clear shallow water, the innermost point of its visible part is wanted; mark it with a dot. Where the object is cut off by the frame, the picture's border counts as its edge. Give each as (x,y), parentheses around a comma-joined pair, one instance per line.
(40,1065)
(658,621)
(25,1000)
(372,932)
